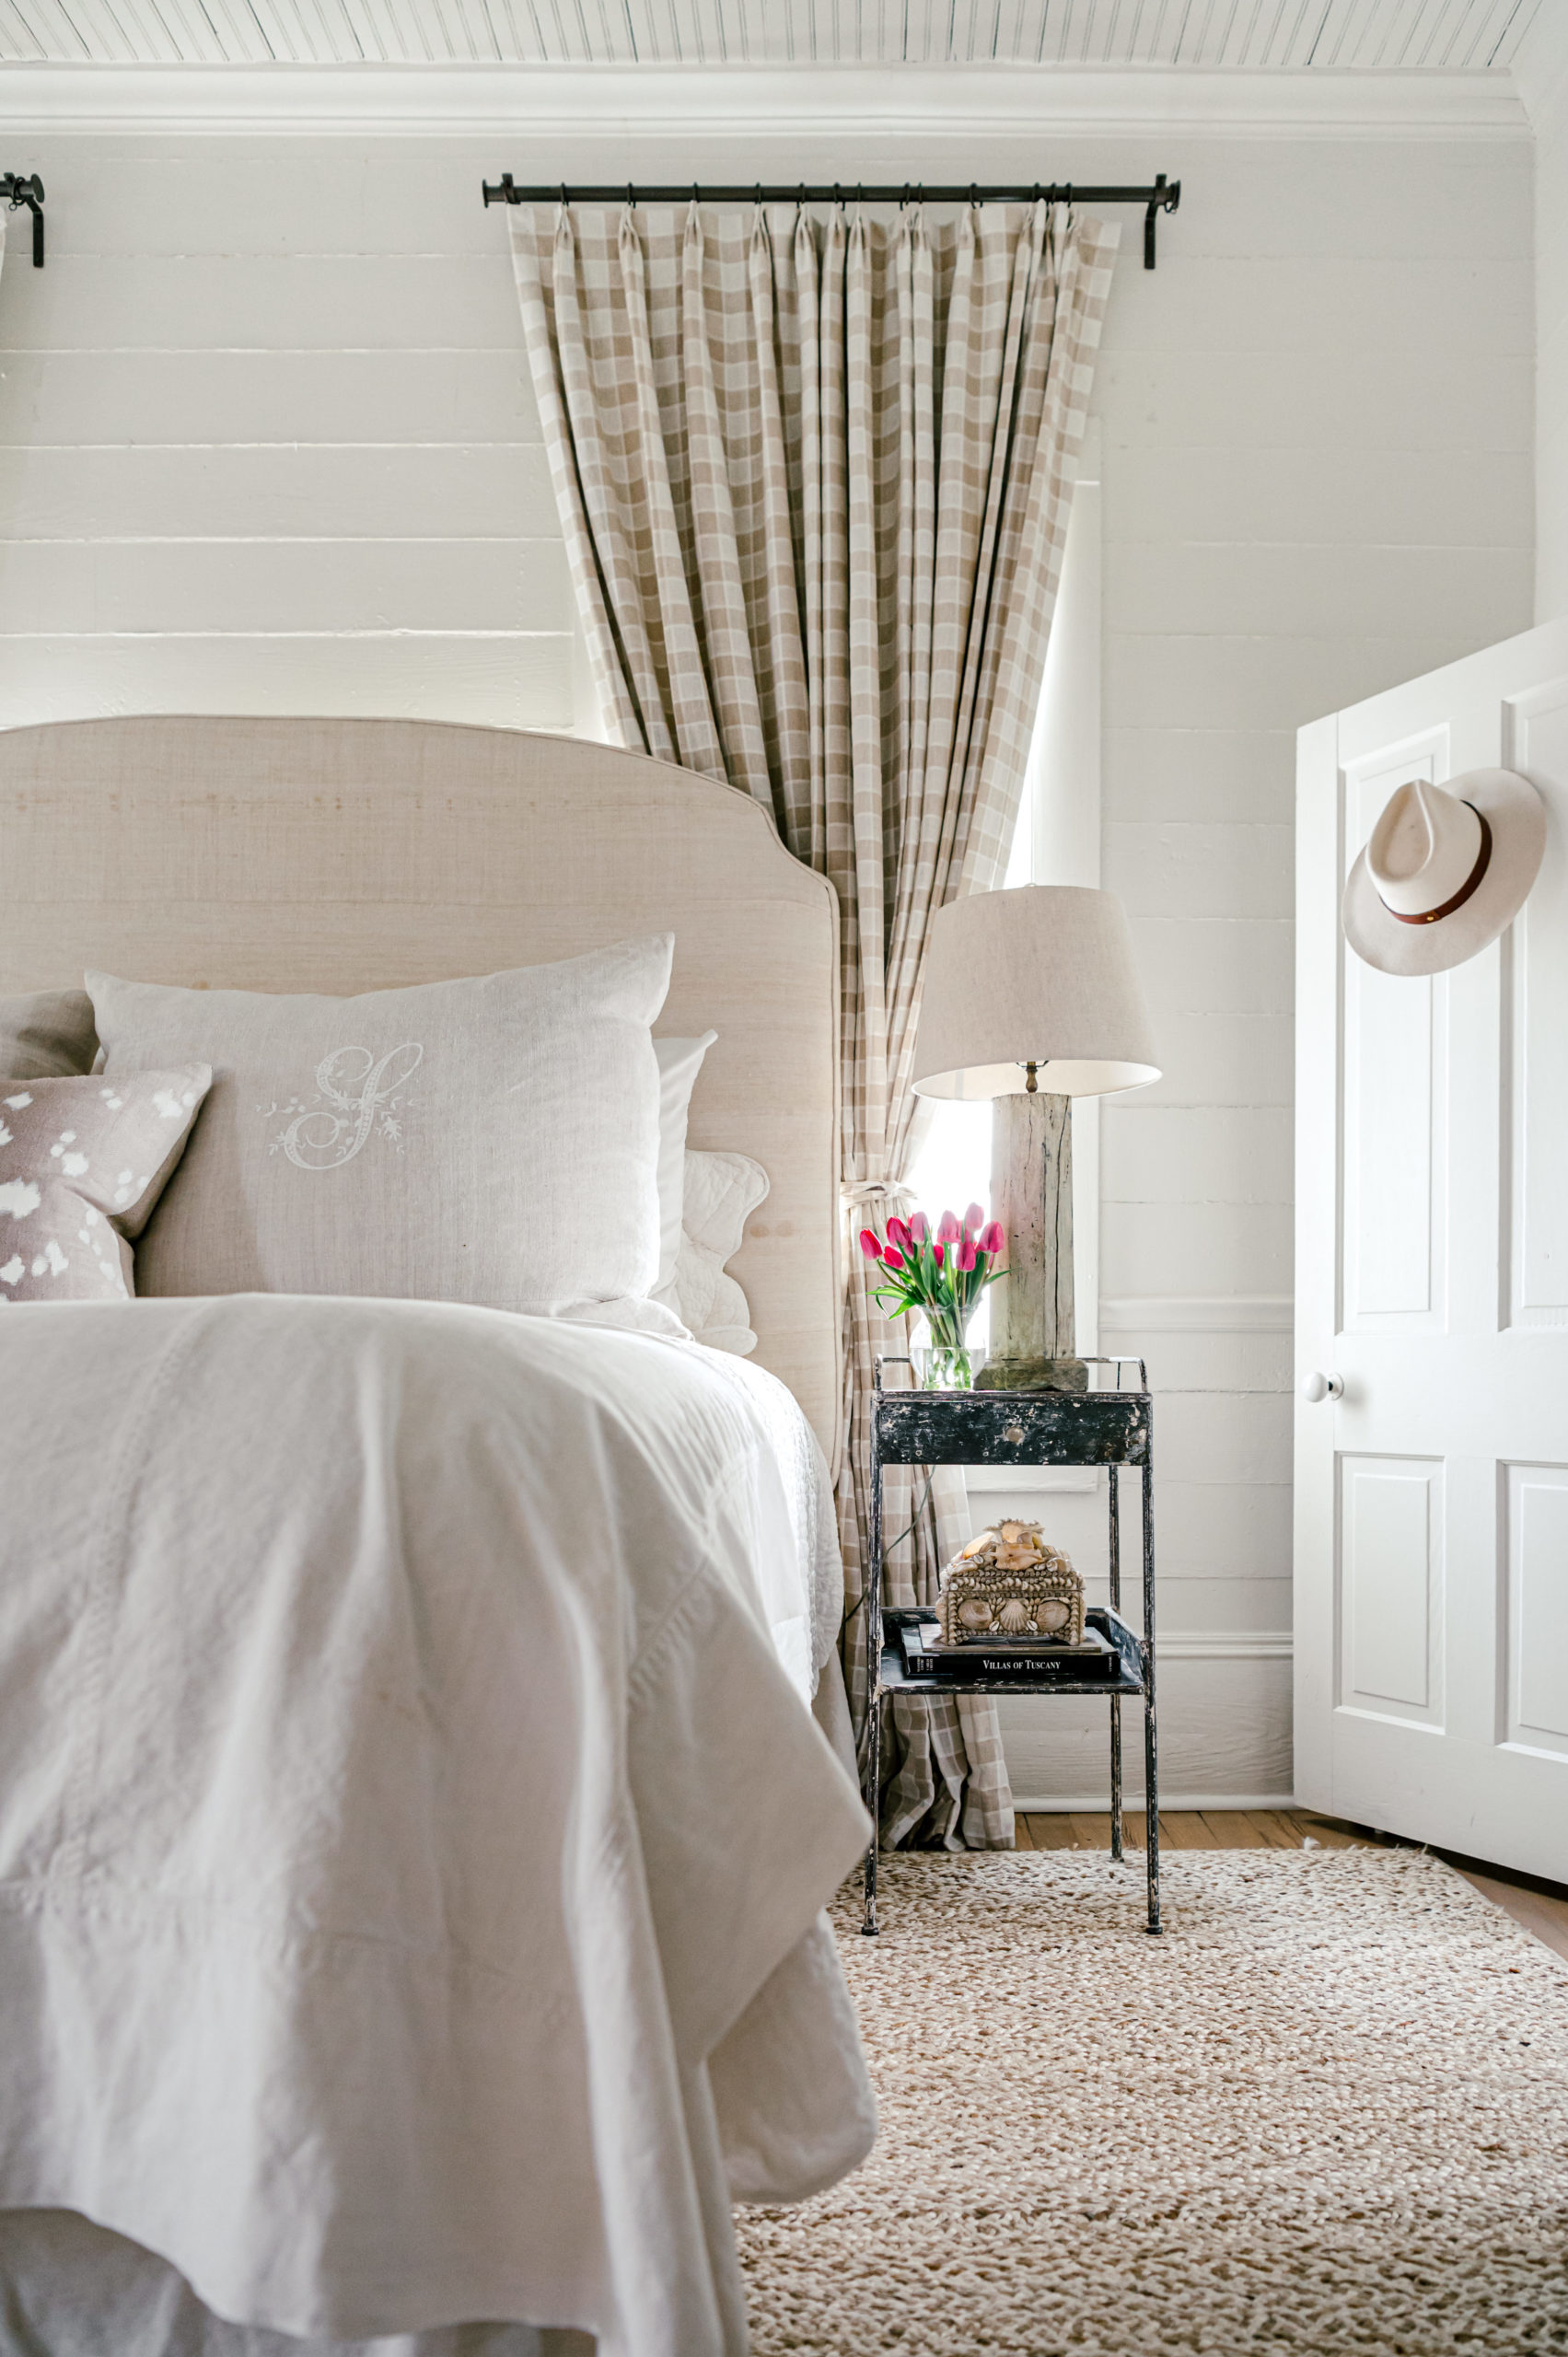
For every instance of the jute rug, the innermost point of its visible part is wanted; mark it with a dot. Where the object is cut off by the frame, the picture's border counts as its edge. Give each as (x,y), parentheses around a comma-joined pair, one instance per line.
(1328,2112)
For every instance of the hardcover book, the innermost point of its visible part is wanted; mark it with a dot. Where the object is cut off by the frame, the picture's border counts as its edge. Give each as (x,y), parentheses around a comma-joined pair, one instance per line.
(923,1655)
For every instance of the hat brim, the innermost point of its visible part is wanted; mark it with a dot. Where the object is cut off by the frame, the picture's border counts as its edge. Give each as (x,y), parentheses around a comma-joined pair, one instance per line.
(1516,816)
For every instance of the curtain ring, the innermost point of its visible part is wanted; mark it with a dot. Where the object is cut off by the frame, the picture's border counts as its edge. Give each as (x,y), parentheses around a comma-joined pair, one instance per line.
(564,198)
(800,197)
(758,198)
(630,197)
(905,198)
(974,194)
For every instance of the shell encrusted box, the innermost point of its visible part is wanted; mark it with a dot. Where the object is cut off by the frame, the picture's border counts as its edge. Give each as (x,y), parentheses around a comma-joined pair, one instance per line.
(1009,1582)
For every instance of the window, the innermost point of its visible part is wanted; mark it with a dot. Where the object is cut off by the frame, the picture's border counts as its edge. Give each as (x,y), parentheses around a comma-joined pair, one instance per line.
(1057,842)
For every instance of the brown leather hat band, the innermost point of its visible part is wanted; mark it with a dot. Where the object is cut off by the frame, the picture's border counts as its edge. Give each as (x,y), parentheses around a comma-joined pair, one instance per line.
(1483,860)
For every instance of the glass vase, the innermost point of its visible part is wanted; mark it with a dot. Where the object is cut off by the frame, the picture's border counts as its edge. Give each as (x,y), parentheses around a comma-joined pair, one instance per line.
(943,1364)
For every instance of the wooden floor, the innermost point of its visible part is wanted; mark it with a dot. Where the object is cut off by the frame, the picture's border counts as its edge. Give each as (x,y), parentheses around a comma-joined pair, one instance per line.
(1540,1907)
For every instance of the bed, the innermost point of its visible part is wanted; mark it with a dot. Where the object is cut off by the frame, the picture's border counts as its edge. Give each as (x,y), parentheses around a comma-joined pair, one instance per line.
(414,1829)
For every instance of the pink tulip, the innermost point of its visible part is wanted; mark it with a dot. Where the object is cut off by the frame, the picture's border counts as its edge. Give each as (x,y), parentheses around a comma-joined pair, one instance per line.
(936,1254)
(920,1228)
(891,1257)
(947,1229)
(974,1219)
(966,1256)
(869,1245)
(993,1238)
(898,1233)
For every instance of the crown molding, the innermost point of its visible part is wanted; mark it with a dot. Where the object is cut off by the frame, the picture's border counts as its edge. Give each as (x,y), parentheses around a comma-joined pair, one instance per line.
(655,103)
(1540,72)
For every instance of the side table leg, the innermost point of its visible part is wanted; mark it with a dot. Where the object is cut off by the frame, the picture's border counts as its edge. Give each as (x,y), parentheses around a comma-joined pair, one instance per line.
(1115,1557)
(1152,1809)
(1151,1748)
(873,1793)
(872,1797)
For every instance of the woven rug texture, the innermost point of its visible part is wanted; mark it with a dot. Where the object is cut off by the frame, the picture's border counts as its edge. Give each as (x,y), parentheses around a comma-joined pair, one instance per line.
(1326,2112)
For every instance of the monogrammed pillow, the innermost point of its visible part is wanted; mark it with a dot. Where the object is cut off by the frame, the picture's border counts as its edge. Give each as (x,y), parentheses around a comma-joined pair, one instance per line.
(491,1140)
(82,1164)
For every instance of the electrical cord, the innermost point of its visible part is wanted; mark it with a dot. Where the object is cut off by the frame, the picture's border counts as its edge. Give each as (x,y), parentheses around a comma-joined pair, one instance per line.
(908,1532)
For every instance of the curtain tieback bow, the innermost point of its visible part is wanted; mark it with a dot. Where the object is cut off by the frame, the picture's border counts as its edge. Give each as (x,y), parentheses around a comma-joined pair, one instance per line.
(867,1194)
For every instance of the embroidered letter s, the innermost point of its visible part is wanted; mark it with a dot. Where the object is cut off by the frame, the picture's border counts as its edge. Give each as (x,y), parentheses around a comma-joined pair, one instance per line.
(356,1086)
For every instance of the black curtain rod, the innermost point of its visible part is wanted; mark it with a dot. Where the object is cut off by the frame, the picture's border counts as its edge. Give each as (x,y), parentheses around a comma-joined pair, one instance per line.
(1163,197)
(30,192)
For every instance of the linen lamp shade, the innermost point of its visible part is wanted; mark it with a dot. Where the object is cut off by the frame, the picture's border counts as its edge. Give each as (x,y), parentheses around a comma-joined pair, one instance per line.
(1040,975)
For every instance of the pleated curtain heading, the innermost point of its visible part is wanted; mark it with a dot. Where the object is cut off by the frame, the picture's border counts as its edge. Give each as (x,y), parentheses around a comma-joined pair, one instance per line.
(814,475)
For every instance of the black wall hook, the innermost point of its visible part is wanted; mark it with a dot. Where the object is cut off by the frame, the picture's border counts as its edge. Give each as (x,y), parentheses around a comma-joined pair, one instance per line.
(1165,197)
(28,191)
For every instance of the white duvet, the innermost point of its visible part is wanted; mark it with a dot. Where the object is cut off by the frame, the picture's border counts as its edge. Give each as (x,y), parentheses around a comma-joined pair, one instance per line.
(411,1849)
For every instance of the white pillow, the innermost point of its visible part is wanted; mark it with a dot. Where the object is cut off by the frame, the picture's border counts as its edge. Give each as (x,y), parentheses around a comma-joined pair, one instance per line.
(722,1190)
(679,1062)
(493,1140)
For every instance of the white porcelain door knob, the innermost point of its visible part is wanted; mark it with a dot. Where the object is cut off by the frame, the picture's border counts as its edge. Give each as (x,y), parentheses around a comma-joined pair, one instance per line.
(1316,1386)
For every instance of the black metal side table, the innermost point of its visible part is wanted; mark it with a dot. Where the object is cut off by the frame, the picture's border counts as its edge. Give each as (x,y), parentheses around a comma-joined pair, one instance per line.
(1109,1428)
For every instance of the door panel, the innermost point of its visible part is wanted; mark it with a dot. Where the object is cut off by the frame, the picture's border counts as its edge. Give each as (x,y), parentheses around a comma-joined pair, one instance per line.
(1394,1050)
(1538,1607)
(1391,1588)
(1432,1260)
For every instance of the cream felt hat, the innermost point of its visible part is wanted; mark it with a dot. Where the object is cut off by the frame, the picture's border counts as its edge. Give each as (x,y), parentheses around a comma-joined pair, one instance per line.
(1444,869)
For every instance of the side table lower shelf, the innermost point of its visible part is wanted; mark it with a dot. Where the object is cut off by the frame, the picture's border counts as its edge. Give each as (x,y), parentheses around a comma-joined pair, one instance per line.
(896,1678)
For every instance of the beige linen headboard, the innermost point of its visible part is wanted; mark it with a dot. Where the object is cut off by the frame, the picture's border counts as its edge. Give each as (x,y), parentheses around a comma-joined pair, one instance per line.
(344,855)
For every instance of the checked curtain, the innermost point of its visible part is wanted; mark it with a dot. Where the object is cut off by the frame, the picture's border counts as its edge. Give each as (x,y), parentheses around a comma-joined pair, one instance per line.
(814,478)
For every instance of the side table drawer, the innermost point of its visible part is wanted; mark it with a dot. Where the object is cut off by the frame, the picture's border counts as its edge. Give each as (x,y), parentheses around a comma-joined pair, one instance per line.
(1013,1427)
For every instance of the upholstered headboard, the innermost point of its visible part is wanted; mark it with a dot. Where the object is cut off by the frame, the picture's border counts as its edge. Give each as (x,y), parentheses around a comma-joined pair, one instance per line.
(346,855)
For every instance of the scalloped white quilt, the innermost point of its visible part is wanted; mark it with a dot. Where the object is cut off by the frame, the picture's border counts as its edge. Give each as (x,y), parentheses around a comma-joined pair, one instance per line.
(411,1847)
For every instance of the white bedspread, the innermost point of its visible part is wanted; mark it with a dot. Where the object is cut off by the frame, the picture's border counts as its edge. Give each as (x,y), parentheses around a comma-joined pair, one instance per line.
(411,1850)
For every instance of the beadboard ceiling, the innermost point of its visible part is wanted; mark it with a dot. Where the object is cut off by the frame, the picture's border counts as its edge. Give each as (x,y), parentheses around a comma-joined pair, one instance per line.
(1325,35)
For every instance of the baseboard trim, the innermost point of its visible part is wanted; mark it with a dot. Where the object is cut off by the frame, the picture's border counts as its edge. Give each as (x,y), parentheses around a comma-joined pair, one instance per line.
(1099,1804)
(1226,1644)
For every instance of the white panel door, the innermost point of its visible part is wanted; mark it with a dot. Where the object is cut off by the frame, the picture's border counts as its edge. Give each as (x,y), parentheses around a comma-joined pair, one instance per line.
(1432,1279)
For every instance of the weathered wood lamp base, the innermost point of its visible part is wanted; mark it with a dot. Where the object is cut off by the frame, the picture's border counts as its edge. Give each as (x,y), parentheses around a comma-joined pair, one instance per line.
(1033,1320)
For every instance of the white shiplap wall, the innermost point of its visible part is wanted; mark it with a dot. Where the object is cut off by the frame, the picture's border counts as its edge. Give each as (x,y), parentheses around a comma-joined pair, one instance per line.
(1544,75)
(266,443)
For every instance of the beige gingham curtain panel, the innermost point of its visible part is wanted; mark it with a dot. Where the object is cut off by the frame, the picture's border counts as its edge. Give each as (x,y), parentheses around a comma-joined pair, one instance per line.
(814,478)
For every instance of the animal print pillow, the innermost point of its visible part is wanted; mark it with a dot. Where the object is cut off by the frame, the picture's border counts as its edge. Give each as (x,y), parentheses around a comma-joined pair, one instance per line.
(82,1163)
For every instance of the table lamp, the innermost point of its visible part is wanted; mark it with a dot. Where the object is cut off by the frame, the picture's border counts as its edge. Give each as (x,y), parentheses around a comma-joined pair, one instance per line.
(1031,998)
